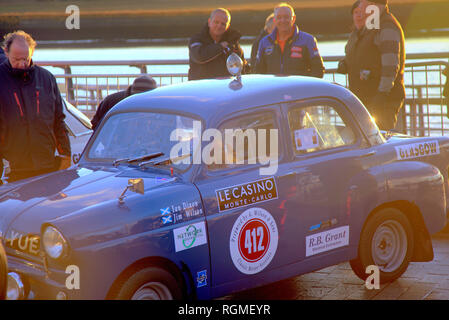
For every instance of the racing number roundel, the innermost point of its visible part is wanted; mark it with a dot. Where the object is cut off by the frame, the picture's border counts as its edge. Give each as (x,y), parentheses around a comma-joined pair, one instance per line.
(253,241)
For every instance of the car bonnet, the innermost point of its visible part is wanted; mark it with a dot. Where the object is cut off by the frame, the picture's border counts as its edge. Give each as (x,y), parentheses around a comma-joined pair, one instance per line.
(23,209)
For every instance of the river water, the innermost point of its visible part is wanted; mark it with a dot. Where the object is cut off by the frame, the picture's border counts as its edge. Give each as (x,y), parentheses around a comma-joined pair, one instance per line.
(413,78)
(326,48)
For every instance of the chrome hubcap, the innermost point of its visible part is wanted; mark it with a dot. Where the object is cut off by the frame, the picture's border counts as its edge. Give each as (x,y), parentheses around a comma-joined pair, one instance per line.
(152,291)
(389,246)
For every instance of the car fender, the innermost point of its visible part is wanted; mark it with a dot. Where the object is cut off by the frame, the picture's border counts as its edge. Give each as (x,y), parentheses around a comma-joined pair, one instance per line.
(414,187)
(107,239)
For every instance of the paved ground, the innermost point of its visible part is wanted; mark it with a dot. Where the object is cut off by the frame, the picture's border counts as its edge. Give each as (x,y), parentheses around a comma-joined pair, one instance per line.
(422,280)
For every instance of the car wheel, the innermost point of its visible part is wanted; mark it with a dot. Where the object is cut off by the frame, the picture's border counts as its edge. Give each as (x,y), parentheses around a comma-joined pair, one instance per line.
(387,242)
(150,284)
(3,273)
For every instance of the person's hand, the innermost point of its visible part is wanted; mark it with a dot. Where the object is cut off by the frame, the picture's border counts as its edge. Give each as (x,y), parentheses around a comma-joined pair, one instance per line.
(224,44)
(342,67)
(66,161)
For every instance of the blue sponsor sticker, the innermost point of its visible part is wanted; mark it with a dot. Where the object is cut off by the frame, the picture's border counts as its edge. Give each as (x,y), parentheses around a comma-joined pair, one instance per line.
(167,219)
(201,278)
(165,211)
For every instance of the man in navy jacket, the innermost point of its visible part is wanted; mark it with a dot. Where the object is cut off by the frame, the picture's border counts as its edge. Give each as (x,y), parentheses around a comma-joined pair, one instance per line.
(287,50)
(31,113)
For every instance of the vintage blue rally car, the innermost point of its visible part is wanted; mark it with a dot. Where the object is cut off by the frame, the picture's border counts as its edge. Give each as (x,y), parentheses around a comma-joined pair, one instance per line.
(198,190)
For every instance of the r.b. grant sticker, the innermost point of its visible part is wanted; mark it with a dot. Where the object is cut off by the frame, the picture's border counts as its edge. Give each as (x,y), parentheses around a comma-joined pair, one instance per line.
(246,194)
(417,150)
(327,240)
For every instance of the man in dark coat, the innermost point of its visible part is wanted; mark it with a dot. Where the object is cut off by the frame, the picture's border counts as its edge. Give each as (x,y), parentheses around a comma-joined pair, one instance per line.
(2,56)
(375,63)
(288,50)
(209,49)
(358,20)
(141,84)
(267,29)
(31,113)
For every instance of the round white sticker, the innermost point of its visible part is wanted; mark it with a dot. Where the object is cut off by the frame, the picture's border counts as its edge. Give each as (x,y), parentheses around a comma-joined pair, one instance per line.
(254,240)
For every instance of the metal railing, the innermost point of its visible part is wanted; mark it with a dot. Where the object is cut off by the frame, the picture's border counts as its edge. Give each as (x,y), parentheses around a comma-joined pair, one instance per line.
(424,112)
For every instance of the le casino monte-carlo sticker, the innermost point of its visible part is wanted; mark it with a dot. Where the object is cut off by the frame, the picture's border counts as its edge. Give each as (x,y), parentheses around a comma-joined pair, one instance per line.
(246,194)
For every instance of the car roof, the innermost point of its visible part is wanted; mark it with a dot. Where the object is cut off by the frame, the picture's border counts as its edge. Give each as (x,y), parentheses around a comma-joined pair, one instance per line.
(217,97)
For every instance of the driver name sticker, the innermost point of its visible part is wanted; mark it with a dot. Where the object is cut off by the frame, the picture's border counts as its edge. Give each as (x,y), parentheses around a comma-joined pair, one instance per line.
(190,236)
(306,139)
(253,241)
(327,240)
(417,150)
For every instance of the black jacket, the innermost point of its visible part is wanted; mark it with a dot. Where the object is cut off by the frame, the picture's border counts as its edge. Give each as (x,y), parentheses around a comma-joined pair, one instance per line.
(255,47)
(107,103)
(31,118)
(207,59)
(2,56)
(365,54)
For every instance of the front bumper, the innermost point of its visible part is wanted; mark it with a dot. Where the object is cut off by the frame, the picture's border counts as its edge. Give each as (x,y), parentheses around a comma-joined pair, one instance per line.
(39,284)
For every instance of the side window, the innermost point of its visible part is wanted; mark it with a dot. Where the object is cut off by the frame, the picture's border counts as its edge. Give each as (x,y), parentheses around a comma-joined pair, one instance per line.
(248,139)
(318,127)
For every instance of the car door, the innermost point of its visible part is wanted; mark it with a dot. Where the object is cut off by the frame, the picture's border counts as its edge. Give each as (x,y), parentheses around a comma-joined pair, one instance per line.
(329,155)
(252,217)
(245,209)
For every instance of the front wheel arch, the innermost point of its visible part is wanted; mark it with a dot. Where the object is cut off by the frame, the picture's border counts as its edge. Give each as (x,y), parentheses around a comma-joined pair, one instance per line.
(423,250)
(157,262)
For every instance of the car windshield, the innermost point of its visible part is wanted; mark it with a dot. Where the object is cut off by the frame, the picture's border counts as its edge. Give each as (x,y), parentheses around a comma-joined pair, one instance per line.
(136,134)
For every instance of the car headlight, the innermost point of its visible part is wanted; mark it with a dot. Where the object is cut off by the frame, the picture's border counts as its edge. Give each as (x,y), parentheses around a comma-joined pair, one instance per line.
(54,243)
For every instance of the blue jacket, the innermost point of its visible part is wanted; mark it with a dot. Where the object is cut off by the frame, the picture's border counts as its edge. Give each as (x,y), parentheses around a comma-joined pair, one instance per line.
(300,56)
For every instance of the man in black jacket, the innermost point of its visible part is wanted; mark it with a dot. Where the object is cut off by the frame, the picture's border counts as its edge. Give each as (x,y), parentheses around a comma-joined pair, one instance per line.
(375,64)
(209,49)
(31,113)
(2,56)
(141,84)
(267,29)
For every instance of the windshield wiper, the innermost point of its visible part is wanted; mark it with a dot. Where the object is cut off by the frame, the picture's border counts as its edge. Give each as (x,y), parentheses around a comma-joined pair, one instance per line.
(165,161)
(138,159)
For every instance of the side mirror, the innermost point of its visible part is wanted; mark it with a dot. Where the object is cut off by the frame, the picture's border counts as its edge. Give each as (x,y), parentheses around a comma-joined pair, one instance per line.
(135,185)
